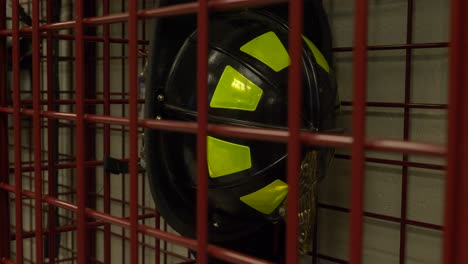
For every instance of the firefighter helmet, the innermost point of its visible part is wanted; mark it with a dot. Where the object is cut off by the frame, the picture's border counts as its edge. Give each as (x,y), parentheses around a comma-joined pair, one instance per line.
(248,63)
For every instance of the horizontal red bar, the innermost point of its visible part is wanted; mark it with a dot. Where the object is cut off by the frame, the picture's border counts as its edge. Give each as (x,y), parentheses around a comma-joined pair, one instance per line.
(87,101)
(172,10)
(384,217)
(95,163)
(146,245)
(27,33)
(7,261)
(224,254)
(255,133)
(120,201)
(68,165)
(397,162)
(406,147)
(155,12)
(59,229)
(66,260)
(400,105)
(124,221)
(398,46)
(332,259)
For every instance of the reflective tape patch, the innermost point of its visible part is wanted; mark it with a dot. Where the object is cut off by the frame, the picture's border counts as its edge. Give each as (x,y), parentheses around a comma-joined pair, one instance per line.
(268,49)
(268,198)
(225,158)
(317,54)
(235,91)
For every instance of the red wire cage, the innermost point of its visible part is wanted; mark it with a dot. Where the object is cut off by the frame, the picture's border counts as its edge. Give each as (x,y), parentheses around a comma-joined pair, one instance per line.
(86,111)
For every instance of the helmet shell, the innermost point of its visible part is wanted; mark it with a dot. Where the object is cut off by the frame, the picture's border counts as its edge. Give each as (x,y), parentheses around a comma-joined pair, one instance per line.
(172,168)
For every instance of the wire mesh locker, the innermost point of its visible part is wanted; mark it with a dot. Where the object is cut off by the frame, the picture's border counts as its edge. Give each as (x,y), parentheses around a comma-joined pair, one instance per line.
(69,98)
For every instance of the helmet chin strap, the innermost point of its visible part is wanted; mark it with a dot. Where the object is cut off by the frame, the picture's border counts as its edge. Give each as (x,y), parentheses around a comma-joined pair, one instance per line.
(308,180)
(141,110)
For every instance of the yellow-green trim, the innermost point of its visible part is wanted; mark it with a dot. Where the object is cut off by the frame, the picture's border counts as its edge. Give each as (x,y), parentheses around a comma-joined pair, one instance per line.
(268,49)
(225,158)
(317,54)
(235,91)
(267,199)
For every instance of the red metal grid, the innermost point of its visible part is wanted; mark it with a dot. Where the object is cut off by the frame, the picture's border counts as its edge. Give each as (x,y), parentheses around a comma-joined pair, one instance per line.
(17,135)
(4,164)
(456,214)
(294,125)
(455,232)
(202,123)
(359,128)
(37,132)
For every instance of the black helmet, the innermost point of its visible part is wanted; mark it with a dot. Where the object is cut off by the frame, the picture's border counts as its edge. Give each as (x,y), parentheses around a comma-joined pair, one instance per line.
(247,86)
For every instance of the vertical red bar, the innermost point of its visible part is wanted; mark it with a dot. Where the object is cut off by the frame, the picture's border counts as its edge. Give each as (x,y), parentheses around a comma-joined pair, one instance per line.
(294,125)
(165,245)
(106,139)
(51,137)
(202,122)
(4,162)
(123,135)
(143,239)
(456,190)
(36,87)
(143,182)
(133,140)
(89,10)
(80,134)
(462,210)
(17,131)
(358,126)
(30,174)
(157,242)
(406,130)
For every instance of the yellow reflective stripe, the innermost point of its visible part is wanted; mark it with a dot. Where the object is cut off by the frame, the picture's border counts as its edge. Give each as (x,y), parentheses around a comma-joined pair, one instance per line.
(268,198)
(235,91)
(268,49)
(318,55)
(225,157)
